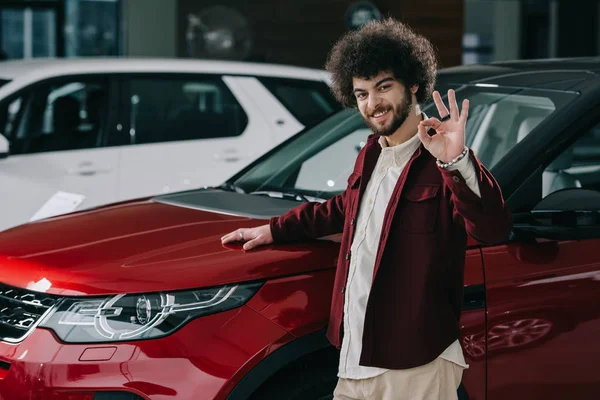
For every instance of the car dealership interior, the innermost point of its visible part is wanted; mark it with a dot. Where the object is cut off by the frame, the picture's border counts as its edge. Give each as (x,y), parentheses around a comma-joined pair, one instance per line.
(297,33)
(300,200)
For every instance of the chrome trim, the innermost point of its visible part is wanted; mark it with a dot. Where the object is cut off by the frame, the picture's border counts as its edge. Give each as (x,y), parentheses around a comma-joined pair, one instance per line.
(19,297)
(34,326)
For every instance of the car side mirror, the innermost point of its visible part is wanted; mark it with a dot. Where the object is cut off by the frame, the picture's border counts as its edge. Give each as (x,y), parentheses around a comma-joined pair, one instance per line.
(570,200)
(565,214)
(4,147)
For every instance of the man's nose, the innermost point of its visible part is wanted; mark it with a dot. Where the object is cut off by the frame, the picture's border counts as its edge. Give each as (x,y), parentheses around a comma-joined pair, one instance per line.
(374,102)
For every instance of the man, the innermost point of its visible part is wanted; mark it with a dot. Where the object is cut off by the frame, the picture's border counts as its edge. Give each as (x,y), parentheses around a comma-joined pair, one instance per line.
(415,193)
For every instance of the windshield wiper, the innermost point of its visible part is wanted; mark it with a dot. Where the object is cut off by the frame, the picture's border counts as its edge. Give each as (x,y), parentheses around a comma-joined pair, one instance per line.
(230,187)
(287,195)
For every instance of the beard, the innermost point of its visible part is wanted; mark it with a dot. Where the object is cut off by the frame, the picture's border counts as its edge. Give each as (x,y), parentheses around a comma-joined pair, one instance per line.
(400,113)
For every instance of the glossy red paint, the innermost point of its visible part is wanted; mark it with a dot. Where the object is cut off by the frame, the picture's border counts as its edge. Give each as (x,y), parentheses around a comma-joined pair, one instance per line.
(144,247)
(543,322)
(299,304)
(66,395)
(470,321)
(202,357)
(474,377)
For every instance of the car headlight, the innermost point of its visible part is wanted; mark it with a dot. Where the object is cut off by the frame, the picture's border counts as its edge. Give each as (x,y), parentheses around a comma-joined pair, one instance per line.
(140,316)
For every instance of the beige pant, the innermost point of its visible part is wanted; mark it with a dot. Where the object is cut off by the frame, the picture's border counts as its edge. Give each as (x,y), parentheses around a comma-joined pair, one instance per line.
(438,380)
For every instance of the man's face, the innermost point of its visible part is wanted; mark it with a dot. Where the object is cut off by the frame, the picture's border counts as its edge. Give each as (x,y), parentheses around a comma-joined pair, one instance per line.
(383,101)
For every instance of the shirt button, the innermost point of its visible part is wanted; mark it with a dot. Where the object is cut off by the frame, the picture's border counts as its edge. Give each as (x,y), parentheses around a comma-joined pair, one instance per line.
(370,201)
(352,221)
(456,179)
(347,255)
(382,169)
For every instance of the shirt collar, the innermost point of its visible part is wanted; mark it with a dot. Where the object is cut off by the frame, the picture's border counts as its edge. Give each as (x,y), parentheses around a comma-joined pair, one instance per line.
(403,151)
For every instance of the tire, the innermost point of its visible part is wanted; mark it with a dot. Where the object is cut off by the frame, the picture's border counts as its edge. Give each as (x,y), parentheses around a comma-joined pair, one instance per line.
(300,384)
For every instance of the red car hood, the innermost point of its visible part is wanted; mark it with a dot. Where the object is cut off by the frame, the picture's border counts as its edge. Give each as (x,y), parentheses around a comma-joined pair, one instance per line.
(145,246)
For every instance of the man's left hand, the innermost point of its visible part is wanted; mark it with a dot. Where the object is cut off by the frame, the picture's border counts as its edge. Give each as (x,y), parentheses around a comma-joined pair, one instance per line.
(449,139)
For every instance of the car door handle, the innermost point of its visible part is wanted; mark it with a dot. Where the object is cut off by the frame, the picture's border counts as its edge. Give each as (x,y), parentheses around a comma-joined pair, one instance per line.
(87,168)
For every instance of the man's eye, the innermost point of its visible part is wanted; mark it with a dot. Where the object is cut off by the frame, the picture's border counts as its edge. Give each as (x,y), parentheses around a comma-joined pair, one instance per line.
(384,87)
(360,96)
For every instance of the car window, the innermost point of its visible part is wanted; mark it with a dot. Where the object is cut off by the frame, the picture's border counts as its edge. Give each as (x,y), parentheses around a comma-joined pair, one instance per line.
(9,114)
(309,102)
(578,166)
(56,116)
(328,170)
(318,161)
(499,120)
(163,110)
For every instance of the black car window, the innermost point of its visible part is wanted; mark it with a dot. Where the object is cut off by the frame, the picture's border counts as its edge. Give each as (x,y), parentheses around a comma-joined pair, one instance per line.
(499,119)
(10,113)
(168,109)
(578,166)
(319,161)
(309,102)
(65,115)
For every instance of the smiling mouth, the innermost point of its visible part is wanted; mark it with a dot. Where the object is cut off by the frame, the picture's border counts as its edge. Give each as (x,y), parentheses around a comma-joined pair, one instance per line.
(380,114)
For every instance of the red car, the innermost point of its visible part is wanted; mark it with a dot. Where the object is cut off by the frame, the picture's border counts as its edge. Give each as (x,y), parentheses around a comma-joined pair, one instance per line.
(139,300)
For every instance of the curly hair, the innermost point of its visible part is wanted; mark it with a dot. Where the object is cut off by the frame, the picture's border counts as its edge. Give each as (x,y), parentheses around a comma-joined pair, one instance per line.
(386,45)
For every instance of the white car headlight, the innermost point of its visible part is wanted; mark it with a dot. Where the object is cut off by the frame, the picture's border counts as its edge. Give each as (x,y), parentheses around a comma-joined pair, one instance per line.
(140,316)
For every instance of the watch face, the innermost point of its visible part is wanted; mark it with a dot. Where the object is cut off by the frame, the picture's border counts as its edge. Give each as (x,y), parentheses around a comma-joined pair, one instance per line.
(361,13)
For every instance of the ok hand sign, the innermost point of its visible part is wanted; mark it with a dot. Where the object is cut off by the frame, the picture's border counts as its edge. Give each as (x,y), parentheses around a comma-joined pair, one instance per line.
(449,139)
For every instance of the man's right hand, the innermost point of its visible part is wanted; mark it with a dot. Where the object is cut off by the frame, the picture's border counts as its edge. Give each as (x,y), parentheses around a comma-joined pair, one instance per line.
(253,237)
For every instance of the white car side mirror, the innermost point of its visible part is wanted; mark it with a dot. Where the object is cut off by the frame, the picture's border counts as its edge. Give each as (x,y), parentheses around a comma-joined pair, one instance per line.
(4,147)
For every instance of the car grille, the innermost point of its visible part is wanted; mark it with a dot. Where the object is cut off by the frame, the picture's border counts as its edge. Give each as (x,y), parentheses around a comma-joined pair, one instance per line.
(20,311)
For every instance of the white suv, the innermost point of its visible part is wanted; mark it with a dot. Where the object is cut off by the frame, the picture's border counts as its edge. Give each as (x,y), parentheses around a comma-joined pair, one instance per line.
(78,133)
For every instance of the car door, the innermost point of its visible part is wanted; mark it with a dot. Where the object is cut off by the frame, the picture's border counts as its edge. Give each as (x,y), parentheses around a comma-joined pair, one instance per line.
(543,286)
(57,161)
(186,131)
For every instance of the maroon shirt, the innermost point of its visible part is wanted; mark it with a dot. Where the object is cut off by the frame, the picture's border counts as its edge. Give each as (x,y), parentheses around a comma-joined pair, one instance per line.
(416,297)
